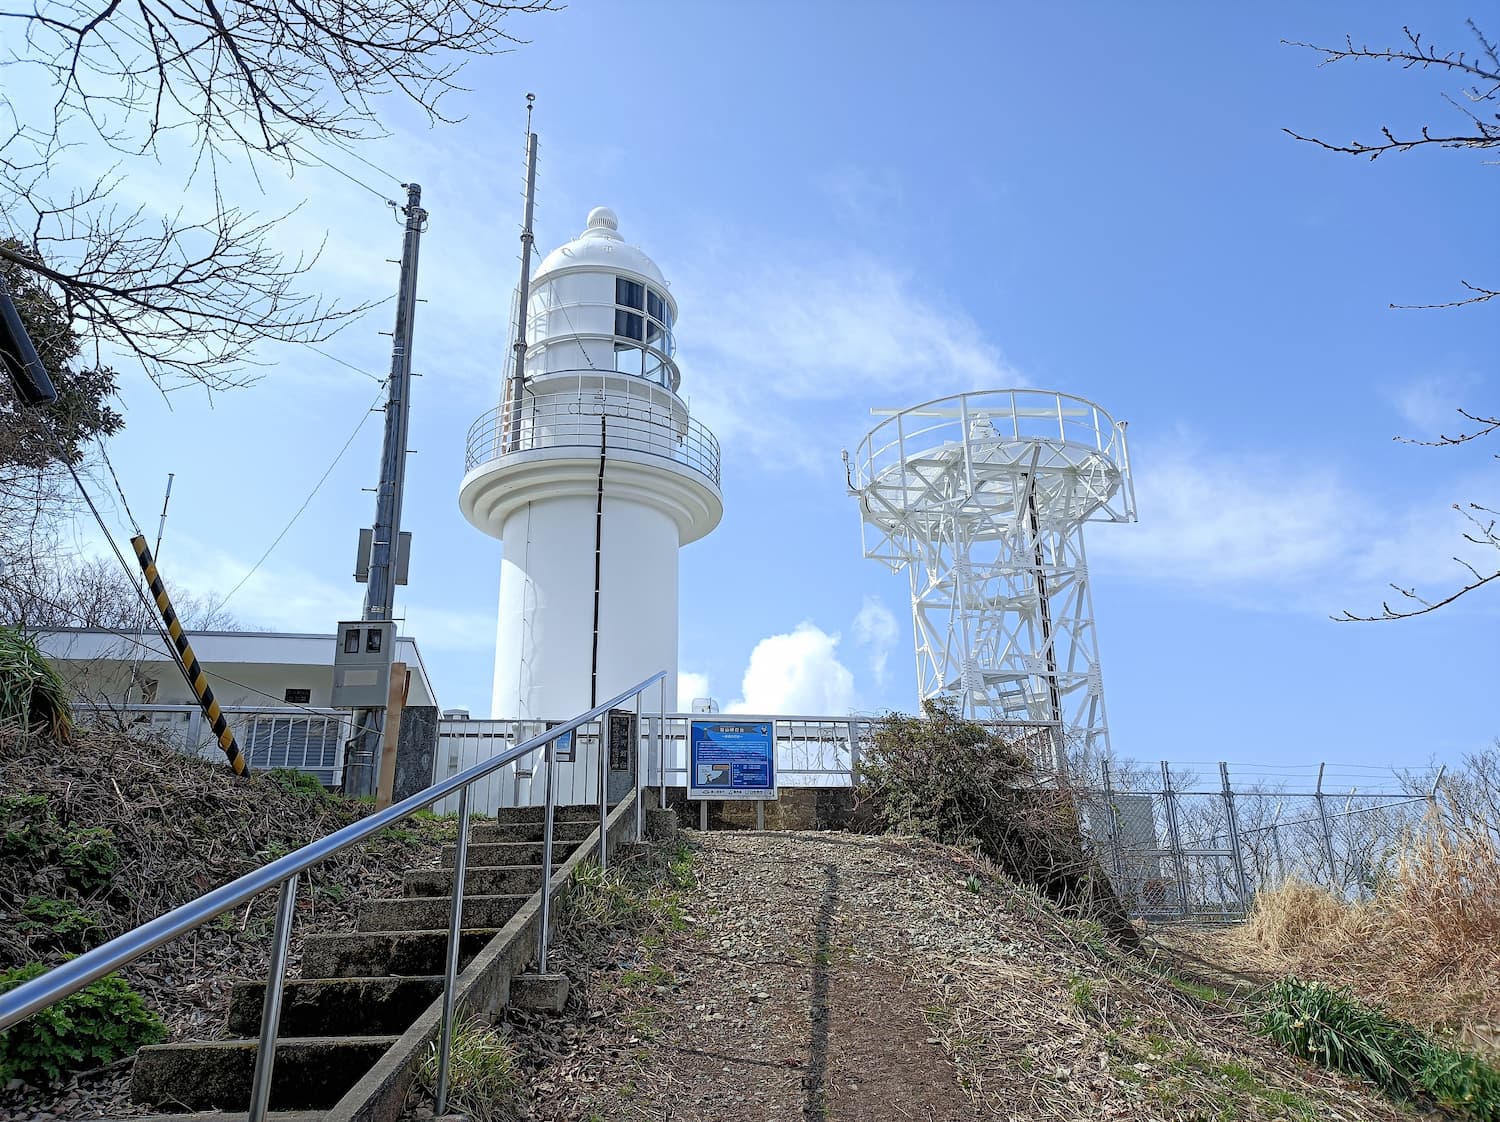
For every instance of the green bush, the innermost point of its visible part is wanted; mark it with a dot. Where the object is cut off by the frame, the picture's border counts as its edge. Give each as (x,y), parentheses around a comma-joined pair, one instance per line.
(26,822)
(31,693)
(296,782)
(95,1026)
(88,857)
(1331,1027)
(33,839)
(58,923)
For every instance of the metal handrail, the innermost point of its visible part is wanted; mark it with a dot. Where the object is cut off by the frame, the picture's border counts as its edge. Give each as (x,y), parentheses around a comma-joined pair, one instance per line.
(74,975)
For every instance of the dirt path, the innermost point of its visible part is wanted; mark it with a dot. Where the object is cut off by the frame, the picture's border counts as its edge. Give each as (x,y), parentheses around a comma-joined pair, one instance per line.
(828,977)
(791,1004)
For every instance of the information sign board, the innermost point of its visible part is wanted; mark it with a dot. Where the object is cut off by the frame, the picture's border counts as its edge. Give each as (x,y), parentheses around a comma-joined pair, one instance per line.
(731,759)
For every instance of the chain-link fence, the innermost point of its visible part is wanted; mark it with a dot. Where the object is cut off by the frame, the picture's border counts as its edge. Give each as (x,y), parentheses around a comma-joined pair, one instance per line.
(1186,843)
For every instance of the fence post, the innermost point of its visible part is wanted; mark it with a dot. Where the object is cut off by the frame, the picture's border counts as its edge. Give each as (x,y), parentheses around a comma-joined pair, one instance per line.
(853,752)
(1174,837)
(1327,831)
(1237,854)
(1117,856)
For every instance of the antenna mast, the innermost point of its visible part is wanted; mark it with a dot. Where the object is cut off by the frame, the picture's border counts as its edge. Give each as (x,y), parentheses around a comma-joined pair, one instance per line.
(523,292)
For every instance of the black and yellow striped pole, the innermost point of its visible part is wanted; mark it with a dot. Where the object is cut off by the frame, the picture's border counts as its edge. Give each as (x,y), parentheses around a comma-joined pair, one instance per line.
(188,661)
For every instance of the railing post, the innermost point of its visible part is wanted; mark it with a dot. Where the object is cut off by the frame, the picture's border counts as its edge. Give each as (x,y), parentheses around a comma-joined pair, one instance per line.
(661,740)
(854,734)
(637,774)
(550,787)
(606,728)
(270,1015)
(455,937)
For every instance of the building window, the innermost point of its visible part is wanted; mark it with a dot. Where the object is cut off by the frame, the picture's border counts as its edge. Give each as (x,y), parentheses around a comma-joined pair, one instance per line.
(351,640)
(629,325)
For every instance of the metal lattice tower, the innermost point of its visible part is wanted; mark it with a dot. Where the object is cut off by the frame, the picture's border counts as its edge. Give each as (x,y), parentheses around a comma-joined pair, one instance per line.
(982,499)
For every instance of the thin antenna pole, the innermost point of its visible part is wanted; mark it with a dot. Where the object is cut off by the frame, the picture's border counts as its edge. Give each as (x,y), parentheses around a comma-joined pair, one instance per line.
(161,527)
(523,290)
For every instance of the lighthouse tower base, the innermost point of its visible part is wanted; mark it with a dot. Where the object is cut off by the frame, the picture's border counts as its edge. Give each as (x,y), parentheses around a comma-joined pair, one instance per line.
(549,662)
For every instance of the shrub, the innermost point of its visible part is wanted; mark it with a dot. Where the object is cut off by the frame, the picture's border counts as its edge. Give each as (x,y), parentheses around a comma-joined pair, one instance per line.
(296,782)
(1427,946)
(31,693)
(27,827)
(1331,1027)
(95,1026)
(88,857)
(959,783)
(482,1077)
(58,923)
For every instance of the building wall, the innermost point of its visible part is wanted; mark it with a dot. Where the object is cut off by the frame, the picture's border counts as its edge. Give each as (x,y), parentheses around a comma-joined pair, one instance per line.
(244,668)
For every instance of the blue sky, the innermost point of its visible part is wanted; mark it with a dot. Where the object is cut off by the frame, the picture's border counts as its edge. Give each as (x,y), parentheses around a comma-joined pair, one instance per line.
(868,205)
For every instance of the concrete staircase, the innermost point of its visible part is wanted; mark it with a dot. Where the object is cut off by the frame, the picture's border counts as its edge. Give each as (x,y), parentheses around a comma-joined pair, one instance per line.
(360,990)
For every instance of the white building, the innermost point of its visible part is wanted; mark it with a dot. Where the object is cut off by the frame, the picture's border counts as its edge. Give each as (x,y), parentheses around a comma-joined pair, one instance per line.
(275,689)
(593,481)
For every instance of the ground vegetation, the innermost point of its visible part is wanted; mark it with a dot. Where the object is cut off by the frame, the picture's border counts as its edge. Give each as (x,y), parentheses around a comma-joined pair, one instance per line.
(958,782)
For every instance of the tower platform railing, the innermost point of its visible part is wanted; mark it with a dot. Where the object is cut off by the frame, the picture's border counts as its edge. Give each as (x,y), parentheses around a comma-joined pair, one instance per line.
(655,424)
(973,425)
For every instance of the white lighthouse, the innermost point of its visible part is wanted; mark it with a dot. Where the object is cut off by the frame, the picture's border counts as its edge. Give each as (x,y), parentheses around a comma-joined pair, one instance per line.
(593,475)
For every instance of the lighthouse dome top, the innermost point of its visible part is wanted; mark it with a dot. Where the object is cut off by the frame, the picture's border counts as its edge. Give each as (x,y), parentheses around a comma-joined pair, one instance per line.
(600,247)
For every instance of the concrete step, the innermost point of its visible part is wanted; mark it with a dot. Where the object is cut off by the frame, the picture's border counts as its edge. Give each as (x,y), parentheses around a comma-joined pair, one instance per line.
(335,1006)
(484,833)
(512,815)
(510,853)
(483,880)
(377,954)
(430,913)
(224,1116)
(311,1072)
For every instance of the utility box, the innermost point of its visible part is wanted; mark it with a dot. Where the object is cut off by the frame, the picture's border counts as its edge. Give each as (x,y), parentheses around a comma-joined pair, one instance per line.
(362,654)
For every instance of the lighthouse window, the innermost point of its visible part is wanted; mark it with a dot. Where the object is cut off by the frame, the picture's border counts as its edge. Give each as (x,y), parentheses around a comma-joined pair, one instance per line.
(630,293)
(629,325)
(628,359)
(656,305)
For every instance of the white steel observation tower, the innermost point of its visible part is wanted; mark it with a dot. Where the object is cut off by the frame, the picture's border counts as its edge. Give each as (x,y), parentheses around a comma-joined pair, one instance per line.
(982,499)
(592,474)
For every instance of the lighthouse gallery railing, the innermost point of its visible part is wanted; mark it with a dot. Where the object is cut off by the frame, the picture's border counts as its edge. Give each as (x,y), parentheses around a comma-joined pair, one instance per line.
(559,421)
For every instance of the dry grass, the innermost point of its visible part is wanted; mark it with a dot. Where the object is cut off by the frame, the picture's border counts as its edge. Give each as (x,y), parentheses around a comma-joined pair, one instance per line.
(1427,947)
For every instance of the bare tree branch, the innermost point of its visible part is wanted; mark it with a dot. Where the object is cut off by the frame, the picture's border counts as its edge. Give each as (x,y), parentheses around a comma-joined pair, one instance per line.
(190,296)
(1480,99)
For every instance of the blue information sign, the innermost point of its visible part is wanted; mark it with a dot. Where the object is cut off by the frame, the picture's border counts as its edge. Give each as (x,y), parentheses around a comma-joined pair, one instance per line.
(732,760)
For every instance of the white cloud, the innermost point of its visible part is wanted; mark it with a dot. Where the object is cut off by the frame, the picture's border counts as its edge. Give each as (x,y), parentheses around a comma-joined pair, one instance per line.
(798,672)
(689,686)
(1430,403)
(1281,532)
(766,340)
(875,629)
